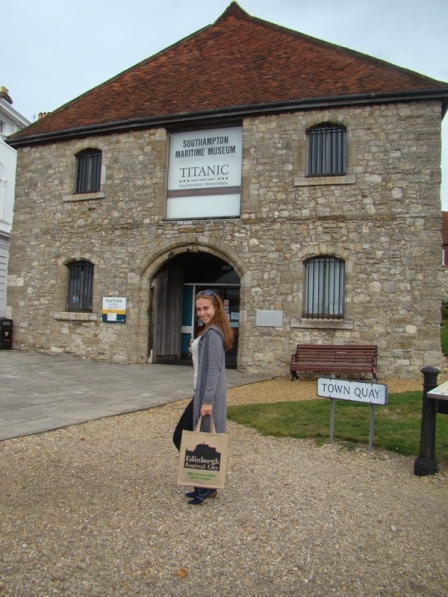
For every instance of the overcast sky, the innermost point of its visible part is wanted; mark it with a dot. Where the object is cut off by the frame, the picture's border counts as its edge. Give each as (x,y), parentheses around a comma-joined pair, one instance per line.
(54,50)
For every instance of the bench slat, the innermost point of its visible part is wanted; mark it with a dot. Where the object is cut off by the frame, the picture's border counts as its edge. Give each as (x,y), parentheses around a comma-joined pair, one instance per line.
(345,358)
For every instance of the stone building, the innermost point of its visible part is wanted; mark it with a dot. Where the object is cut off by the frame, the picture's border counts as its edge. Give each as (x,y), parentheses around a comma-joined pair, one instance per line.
(299,179)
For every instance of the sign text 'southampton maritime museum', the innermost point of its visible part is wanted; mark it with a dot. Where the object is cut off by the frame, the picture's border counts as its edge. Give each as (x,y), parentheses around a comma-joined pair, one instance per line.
(204,177)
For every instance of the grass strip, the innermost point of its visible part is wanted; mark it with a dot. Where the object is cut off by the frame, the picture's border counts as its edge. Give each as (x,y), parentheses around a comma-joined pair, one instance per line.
(397,424)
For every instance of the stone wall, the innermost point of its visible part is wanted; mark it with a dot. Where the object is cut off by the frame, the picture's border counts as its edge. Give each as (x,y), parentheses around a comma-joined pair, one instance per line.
(383,219)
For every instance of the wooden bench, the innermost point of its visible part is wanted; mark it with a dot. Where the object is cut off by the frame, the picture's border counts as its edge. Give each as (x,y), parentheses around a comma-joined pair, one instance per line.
(334,359)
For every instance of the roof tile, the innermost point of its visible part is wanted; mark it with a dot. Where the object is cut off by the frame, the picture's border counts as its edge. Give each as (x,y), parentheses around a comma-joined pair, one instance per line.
(237,61)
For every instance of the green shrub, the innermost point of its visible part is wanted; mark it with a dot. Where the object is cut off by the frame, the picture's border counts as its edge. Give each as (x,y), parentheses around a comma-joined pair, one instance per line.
(445,311)
(444,339)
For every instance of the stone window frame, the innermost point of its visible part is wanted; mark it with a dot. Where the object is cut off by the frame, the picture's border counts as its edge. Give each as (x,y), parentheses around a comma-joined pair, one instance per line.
(323,249)
(332,118)
(71,169)
(62,273)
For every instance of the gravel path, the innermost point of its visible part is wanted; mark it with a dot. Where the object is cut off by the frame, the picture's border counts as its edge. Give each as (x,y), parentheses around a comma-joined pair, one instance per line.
(94,510)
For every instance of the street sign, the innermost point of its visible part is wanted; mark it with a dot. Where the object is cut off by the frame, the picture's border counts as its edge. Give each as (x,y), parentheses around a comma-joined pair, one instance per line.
(356,391)
(370,393)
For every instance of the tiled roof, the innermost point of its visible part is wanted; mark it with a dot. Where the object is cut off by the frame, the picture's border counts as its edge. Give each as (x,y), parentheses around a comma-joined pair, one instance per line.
(239,64)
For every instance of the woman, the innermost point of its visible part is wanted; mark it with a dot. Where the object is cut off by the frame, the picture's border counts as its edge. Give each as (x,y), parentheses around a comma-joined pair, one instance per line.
(209,365)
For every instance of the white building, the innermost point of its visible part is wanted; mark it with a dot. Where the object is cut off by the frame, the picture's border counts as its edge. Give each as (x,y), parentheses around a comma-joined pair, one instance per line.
(10,122)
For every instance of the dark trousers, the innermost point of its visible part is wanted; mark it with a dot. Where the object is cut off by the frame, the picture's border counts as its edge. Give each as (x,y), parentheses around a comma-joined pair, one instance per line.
(185,422)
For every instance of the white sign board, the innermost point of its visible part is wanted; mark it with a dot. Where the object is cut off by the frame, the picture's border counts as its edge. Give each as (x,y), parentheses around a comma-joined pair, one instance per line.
(439,393)
(114,309)
(204,173)
(356,391)
(273,319)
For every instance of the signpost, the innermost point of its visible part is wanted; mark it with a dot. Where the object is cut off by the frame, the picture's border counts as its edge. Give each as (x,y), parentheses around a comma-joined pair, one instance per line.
(355,391)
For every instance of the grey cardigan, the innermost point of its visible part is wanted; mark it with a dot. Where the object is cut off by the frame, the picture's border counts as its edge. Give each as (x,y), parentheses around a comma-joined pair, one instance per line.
(211,380)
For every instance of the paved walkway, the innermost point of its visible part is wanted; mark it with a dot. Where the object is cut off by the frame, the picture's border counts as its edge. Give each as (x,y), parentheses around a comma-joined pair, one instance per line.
(40,392)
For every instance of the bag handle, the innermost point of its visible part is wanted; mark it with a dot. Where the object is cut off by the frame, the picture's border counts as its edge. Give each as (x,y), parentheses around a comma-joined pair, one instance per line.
(212,424)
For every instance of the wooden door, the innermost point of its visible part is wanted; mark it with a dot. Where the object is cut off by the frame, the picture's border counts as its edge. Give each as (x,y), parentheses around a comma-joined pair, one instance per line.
(167,315)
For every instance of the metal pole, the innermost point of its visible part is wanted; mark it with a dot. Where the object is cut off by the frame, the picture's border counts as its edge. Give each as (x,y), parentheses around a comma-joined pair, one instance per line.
(332,401)
(372,425)
(426,463)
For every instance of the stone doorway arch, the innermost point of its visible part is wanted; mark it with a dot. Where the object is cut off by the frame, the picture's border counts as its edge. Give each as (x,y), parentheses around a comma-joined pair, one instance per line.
(171,302)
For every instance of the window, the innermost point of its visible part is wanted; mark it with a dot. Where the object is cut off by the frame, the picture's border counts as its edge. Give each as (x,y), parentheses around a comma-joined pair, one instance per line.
(80,286)
(88,171)
(324,288)
(327,152)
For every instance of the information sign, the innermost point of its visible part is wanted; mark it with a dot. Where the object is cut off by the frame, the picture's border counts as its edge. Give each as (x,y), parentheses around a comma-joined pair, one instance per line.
(114,309)
(439,393)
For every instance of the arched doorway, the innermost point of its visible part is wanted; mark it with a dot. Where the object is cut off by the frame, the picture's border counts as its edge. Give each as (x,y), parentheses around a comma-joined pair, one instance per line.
(173,289)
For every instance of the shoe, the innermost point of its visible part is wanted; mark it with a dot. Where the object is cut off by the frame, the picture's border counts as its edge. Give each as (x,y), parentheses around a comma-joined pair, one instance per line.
(193,494)
(202,495)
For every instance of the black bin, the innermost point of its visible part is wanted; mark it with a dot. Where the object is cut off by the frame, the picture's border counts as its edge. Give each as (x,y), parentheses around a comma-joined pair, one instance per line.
(5,333)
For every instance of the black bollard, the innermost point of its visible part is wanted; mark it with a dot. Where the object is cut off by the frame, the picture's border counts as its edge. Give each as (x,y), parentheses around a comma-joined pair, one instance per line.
(426,463)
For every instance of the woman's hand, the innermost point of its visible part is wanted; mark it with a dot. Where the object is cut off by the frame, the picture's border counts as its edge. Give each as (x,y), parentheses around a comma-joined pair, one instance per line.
(206,409)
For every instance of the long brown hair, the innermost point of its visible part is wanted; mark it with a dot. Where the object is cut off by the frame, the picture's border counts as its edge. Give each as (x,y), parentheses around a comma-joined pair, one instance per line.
(220,317)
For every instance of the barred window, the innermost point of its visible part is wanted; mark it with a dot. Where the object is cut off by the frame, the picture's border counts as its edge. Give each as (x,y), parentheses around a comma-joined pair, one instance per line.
(327,152)
(88,171)
(80,286)
(324,290)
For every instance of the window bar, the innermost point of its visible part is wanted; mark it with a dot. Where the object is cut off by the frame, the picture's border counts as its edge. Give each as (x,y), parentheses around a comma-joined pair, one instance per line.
(337,153)
(325,288)
(334,151)
(93,178)
(320,157)
(321,296)
(85,173)
(329,152)
(312,287)
(81,287)
(87,294)
(86,163)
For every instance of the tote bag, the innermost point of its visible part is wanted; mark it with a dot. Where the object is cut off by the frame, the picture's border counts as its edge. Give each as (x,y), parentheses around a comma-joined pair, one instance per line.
(202,458)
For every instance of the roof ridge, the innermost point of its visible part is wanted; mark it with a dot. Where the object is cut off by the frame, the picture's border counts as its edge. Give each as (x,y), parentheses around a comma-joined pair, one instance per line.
(233,10)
